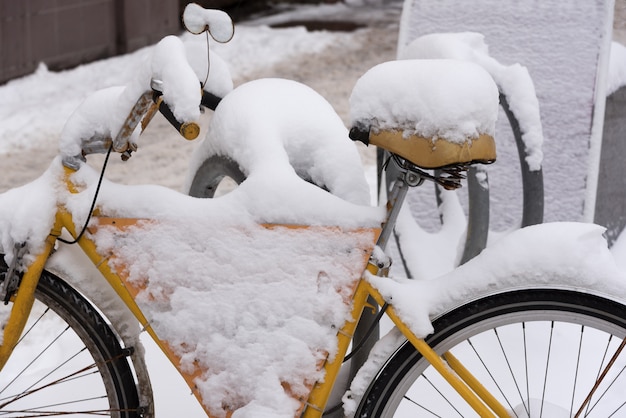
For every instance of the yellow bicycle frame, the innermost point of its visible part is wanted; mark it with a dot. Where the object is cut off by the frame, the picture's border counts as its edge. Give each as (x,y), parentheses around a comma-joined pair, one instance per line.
(463,382)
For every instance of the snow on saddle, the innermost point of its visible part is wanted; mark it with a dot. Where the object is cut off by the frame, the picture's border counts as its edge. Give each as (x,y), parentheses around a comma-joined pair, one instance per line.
(433,113)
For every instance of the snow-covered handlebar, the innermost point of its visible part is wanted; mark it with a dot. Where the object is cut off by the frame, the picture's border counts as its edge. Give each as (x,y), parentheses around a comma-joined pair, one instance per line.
(168,84)
(176,82)
(173,77)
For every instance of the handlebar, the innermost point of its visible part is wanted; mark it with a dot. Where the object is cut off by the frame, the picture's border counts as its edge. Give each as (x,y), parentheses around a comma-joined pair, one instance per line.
(174,92)
(210,100)
(144,112)
(188,130)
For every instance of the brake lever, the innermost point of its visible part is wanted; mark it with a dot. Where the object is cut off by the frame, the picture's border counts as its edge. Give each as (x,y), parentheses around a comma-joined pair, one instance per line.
(12,276)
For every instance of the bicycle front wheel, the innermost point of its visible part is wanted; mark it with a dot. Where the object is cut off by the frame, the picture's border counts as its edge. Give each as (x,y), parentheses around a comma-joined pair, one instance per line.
(67,362)
(539,352)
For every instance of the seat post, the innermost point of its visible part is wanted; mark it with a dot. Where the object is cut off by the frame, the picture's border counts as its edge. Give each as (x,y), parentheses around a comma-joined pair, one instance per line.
(405,179)
(397,194)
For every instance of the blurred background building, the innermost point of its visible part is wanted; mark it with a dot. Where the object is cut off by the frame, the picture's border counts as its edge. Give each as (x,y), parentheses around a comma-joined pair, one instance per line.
(66,33)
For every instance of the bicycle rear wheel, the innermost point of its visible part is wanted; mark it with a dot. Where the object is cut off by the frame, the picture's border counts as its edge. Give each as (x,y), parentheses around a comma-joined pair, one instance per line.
(67,362)
(539,352)
(210,177)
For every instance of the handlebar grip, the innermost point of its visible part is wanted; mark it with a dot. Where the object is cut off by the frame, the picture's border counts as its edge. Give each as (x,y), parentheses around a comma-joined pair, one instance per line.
(188,130)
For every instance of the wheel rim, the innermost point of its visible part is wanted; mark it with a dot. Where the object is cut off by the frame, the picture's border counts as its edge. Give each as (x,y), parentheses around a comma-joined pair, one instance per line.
(545,364)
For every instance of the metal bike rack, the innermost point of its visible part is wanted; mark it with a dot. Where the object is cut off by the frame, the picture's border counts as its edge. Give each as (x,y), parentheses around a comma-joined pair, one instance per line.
(610,207)
(532,194)
(478,205)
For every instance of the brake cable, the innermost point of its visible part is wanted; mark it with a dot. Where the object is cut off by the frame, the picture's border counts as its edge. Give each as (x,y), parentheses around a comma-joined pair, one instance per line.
(208,60)
(358,347)
(369,332)
(93,203)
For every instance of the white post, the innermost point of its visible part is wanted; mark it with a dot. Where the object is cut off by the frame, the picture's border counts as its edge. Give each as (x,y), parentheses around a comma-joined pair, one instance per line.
(595,140)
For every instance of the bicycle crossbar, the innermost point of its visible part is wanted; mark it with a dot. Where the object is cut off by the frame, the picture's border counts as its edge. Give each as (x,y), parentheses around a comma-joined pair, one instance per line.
(474,384)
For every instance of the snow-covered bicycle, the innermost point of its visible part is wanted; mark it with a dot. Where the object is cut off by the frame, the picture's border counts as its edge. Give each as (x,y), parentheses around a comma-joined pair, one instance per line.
(254,296)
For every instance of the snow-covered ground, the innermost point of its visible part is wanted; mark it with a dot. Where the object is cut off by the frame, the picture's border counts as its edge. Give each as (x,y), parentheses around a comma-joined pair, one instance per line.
(34,109)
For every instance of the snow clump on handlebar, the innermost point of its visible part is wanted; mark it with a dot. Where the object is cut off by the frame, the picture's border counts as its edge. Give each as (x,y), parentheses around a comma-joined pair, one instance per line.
(181,87)
(102,115)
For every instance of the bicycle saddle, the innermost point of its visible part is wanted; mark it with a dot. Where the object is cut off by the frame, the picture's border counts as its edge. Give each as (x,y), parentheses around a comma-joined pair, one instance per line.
(430,153)
(433,113)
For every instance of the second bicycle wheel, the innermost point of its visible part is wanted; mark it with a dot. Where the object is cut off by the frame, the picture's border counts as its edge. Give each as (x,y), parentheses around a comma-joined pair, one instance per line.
(217,175)
(67,362)
(540,352)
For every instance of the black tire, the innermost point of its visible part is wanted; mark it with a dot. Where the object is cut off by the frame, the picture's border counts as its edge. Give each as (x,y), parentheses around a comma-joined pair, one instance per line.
(209,178)
(68,361)
(211,173)
(582,333)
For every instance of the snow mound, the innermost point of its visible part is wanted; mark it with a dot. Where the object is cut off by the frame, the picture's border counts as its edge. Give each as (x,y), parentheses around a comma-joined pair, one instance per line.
(450,99)
(513,80)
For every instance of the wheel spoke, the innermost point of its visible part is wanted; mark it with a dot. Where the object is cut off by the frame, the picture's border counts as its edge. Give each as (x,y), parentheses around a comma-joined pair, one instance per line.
(580,344)
(45,410)
(611,363)
(442,395)
(422,407)
(607,389)
(488,370)
(601,378)
(617,410)
(508,364)
(34,324)
(71,377)
(41,353)
(28,389)
(545,378)
(526,367)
